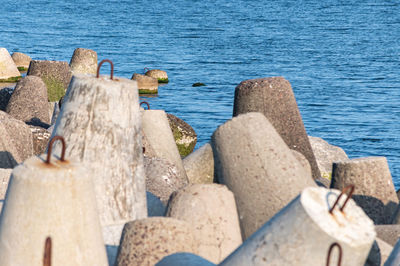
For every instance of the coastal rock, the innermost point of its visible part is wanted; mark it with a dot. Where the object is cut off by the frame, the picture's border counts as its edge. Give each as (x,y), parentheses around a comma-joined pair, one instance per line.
(55,74)
(211,211)
(83,61)
(253,161)
(162,177)
(28,102)
(326,154)
(8,70)
(184,135)
(184,259)
(199,165)
(21,60)
(147,241)
(274,98)
(374,190)
(146,84)
(15,142)
(160,75)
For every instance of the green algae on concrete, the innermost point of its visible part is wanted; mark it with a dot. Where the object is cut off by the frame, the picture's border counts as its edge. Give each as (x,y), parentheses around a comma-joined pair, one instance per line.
(55,88)
(184,135)
(11,80)
(22,69)
(160,80)
(145,91)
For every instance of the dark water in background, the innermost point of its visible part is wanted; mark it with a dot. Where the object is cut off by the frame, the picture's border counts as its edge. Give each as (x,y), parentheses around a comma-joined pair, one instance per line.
(341,57)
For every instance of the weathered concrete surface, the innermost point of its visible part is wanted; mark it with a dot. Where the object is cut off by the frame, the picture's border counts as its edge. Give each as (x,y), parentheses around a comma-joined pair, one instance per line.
(55,200)
(211,210)
(302,232)
(326,154)
(94,122)
(40,139)
(147,241)
(184,259)
(160,75)
(374,189)
(15,142)
(146,84)
(83,61)
(385,250)
(8,70)
(28,102)
(4,179)
(184,135)
(303,161)
(21,60)
(55,74)
(199,165)
(162,177)
(275,99)
(158,140)
(258,167)
(394,258)
(389,233)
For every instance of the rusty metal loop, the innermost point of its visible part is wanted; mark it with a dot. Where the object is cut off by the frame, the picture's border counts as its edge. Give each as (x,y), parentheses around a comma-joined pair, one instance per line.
(145,69)
(146,103)
(112,68)
(47,252)
(328,259)
(51,147)
(351,187)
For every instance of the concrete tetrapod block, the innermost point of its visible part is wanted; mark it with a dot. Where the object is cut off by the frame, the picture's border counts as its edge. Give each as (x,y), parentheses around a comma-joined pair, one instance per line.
(275,99)
(184,135)
(159,141)
(374,189)
(258,167)
(147,241)
(394,258)
(184,259)
(50,200)
(29,103)
(379,253)
(302,232)
(4,179)
(55,74)
(100,121)
(158,74)
(211,210)
(83,61)
(8,70)
(199,165)
(146,85)
(389,233)
(21,60)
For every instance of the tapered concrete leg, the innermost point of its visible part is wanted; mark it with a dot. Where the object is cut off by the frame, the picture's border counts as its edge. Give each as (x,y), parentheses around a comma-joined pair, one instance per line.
(56,201)
(211,210)
(302,232)
(374,189)
(253,161)
(100,121)
(199,165)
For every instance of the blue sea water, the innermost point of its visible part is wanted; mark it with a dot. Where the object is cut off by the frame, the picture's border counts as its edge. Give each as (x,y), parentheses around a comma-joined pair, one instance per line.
(341,57)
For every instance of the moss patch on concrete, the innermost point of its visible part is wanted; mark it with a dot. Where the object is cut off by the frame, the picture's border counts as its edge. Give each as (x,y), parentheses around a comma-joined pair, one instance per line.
(22,69)
(183,149)
(144,91)
(55,89)
(326,175)
(11,80)
(161,80)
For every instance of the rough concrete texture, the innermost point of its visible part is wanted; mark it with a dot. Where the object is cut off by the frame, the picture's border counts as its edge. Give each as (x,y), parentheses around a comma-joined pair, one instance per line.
(211,211)
(147,241)
(154,205)
(94,122)
(184,259)
(326,154)
(389,233)
(146,84)
(55,74)
(158,140)
(374,189)
(303,161)
(275,99)
(15,142)
(394,257)
(4,179)
(83,61)
(21,60)
(8,70)
(184,135)
(5,96)
(302,232)
(258,167)
(40,139)
(162,178)
(55,200)
(160,75)
(199,165)
(28,102)
(385,250)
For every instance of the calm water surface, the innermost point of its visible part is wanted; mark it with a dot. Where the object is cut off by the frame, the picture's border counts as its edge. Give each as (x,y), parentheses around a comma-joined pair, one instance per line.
(341,57)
